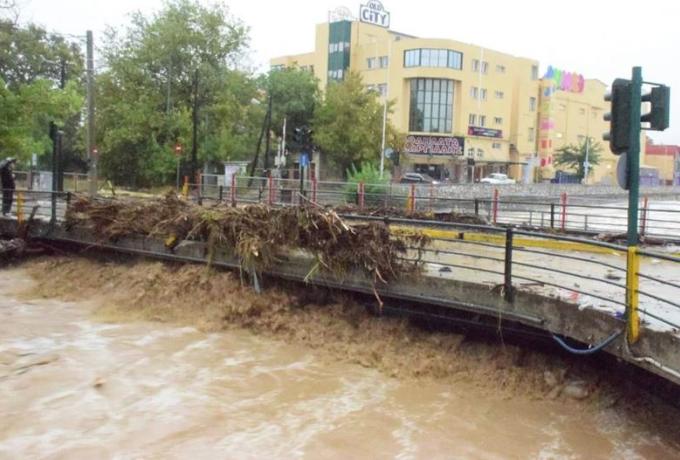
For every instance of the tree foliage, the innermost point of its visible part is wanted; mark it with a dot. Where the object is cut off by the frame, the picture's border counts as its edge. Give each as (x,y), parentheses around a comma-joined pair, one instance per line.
(155,69)
(348,125)
(573,156)
(31,62)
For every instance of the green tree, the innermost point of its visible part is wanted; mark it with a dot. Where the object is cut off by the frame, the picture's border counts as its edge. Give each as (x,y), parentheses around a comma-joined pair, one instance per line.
(155,69)
(348,125)
(574,156)
(31,63)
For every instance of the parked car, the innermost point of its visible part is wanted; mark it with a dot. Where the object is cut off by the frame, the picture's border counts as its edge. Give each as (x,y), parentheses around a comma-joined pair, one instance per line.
(497,179)
(417,178)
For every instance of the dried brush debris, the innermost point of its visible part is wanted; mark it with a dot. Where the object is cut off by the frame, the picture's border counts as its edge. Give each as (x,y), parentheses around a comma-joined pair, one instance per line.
(258,234)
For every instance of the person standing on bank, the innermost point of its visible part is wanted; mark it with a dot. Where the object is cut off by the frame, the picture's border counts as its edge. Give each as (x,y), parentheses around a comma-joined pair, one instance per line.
(8,185)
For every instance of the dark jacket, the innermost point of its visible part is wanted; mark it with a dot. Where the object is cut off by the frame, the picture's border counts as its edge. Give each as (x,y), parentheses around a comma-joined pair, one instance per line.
(6,175)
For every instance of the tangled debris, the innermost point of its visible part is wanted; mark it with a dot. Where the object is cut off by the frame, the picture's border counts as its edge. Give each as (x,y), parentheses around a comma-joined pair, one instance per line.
(257,234)
(391,211)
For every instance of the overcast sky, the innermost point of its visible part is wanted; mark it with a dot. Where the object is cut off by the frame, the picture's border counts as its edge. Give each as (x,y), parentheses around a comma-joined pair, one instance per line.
(599,38)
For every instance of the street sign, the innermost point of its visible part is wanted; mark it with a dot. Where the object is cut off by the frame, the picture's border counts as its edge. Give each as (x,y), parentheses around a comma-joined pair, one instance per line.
(622,171)
(304,160)
(388,153)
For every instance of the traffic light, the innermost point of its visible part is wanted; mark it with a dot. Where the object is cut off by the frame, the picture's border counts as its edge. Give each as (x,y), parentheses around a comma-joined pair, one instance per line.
(303,136)
(659,116)
(297,135)
(619,117)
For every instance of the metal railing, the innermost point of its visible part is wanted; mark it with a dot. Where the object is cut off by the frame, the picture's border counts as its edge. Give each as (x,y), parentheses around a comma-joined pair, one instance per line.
(656,221)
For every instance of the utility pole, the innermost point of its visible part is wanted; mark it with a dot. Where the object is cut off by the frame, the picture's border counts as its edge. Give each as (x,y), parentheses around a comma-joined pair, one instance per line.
(91,156)
(265,123)
(194,140)
(268,134)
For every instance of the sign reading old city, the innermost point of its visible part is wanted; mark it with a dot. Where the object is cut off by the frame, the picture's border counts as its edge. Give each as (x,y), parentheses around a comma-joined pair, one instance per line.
(484,132)
(435,145)
(374,13)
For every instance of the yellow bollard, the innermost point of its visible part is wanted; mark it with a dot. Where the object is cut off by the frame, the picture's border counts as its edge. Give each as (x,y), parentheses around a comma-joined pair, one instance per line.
(20,207)
(632,294)
(185,187)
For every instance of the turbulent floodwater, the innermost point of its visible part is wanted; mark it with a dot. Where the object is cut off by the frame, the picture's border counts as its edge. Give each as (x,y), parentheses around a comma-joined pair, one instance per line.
(145,360)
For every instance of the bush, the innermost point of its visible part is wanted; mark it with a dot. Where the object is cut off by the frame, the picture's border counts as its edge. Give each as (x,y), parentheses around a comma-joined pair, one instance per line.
(375,187)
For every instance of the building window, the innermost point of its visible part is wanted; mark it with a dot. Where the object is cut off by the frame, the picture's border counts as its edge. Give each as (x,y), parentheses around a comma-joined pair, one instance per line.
(532,104)
(582,111)
(534,72)
(485,67)
(383,62)
(371,63)
(471,152)
(472,120)
(531,135)
(475,65)
(498,120)
(482,94)
(500,94)
(482,120)
(382,89)
(496,145)
(432,57)
(581,138)
(474,92)
(500,69)
(480,153)
(431,108)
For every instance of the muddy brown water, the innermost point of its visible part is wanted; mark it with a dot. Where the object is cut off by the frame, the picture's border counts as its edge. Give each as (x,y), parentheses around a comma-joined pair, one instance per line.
(145,360)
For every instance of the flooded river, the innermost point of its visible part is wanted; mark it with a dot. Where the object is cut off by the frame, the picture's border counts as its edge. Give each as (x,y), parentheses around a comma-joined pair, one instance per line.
(91,369)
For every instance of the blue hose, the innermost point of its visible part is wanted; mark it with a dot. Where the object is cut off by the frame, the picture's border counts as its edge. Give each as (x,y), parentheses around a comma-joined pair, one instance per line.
(587,351)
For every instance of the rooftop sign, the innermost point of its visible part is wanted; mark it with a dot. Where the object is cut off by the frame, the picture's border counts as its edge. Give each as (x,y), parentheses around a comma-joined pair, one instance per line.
(341,13)
(566,81)
(374,13)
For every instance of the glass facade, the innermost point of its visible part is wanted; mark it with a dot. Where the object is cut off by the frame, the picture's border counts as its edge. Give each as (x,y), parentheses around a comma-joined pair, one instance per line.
(430,57)
(431,108)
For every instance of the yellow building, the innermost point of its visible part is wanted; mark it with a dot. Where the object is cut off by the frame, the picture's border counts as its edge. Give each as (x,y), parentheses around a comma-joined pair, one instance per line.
(467,110)
(665,159)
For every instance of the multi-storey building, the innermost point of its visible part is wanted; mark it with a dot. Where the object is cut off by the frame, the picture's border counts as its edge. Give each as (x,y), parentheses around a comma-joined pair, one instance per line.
(467,111)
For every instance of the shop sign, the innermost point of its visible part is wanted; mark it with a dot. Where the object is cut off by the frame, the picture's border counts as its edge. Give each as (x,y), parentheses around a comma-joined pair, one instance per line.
(565,81)
(374,13)
(484,132)
(435,145)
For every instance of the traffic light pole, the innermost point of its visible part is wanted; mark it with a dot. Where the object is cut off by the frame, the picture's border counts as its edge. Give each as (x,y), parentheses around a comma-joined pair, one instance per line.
(633,156)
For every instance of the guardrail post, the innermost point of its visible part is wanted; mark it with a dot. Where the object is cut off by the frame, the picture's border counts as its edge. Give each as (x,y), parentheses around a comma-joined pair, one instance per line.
(220,193)
(412,198)
(508,290)
(270,189)
(314,186)
(495,206)
(431,202)
(68,200)
(552,215)
(360,194)
(476,206)
(643,223)
(563,201)
(632,294)
(53,216)
(232,192)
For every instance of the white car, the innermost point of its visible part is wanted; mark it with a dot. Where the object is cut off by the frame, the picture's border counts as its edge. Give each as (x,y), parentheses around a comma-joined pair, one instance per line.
(497,179)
